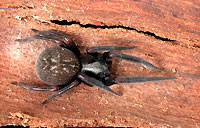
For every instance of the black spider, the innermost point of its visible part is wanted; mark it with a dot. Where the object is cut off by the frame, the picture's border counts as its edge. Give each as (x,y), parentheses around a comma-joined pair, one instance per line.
(64,65)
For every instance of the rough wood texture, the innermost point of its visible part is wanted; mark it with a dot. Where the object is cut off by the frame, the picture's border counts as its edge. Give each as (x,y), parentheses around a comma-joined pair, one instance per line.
(151,26)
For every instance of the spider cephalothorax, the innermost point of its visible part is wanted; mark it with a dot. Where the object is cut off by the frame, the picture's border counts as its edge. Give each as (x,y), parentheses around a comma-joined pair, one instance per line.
(63,65)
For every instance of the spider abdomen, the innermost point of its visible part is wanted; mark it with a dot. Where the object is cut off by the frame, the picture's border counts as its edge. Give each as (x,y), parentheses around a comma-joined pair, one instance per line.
(57,66)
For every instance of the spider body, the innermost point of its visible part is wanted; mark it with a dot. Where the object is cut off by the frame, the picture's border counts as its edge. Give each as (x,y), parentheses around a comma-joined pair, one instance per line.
(57,66)
(65,67)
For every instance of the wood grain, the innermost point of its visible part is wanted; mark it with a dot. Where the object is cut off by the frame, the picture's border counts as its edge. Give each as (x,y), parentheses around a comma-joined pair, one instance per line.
(128,23)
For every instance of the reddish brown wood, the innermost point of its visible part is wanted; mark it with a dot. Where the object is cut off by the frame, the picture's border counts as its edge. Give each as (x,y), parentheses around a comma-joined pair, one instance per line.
(154,104)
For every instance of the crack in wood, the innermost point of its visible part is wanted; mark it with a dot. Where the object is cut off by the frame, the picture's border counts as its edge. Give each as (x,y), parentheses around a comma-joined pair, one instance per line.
(65,22)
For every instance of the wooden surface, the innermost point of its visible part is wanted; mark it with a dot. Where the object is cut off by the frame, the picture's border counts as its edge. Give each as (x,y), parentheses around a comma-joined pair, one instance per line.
(166,33)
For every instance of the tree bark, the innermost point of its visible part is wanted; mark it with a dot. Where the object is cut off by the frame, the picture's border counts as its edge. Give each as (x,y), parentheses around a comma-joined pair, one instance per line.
(166,33)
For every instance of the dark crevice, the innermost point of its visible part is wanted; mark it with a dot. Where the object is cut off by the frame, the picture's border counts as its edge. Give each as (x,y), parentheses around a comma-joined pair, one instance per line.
(196,46)
(65,22)
(14,126)
(17,7)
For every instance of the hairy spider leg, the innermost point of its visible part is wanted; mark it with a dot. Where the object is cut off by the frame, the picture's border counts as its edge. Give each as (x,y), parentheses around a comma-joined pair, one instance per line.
(95,49)
(50,89)
(39,37)
(66,42)
(35,88)
(60,89)
(94,82)
(137,79)
(55,37)
(133,59)
(140,79)
(63,90)
(121,56)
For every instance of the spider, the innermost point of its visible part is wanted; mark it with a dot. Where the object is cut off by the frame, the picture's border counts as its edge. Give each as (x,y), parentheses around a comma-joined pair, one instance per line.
(64,66)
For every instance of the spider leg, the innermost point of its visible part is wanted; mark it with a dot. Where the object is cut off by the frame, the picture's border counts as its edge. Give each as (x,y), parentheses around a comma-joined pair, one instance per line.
(141,79)
(95,49)
(133,59)
(35,88)
(38,37)
(52,33)
(54,36)
(61,91)
(26,39)
(94,82)
(58,36)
